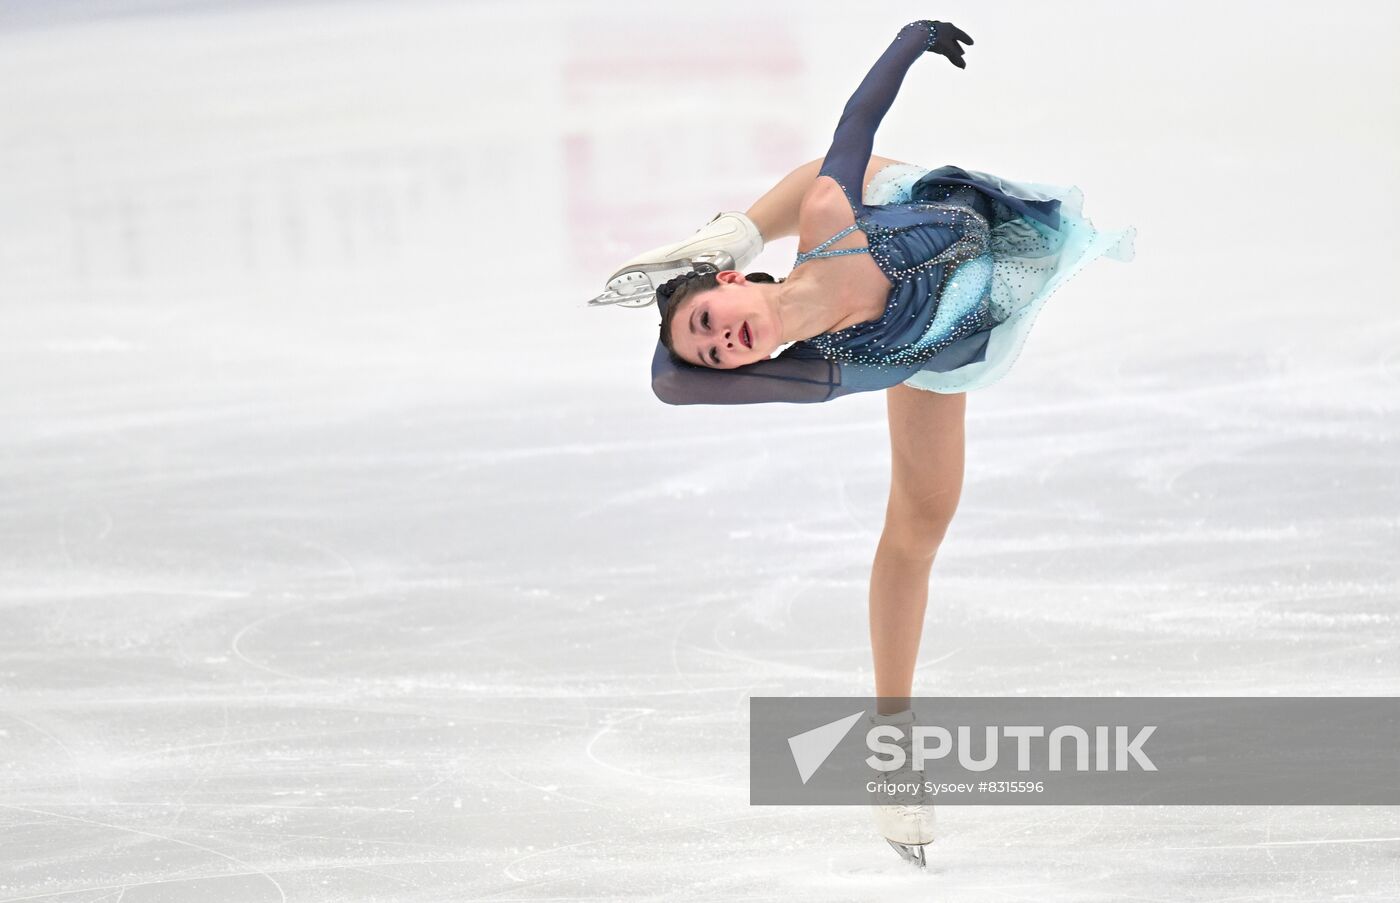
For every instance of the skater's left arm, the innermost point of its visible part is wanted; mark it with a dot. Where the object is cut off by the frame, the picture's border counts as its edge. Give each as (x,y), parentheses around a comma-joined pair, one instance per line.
(855,133)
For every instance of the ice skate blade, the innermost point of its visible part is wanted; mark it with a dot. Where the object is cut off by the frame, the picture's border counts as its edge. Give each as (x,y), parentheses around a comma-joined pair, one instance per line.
(909,852)
(630,289)
(607,299)
(635,286)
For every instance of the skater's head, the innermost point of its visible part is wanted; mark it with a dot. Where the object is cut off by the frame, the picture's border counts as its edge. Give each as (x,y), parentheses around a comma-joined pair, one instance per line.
(719,319)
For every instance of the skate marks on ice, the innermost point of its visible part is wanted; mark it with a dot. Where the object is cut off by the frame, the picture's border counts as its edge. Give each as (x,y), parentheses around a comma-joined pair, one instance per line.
(1056,854)
(370,733)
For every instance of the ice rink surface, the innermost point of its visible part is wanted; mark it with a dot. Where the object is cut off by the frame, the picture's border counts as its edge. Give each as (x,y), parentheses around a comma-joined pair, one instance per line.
(346,556)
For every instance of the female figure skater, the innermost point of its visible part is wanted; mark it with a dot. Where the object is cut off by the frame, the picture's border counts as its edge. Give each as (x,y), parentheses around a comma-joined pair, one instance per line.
(921,282)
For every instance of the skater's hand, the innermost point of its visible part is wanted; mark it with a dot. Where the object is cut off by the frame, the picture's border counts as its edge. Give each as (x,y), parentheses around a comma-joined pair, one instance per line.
(944,38)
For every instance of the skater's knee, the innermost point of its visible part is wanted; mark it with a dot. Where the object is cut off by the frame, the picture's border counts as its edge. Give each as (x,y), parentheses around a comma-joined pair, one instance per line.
(915,535)
(917,522)
(916,543)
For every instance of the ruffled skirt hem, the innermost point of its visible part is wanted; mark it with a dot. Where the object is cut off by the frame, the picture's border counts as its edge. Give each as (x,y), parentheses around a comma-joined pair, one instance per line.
(1030,261)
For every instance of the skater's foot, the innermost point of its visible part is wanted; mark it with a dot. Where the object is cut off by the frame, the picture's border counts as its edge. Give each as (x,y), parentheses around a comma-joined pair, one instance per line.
(910,823)
(730,241)
(902,812)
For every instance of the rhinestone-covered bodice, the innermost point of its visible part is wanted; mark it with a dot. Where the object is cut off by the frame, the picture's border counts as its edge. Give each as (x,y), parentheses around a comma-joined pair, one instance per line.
(930,252)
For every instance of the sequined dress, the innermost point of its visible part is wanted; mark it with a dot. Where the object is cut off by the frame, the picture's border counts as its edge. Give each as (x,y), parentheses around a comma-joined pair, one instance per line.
(971,258)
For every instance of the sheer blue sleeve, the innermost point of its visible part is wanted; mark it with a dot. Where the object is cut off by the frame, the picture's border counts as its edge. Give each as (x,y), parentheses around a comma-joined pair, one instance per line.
(855,133)
(797,376)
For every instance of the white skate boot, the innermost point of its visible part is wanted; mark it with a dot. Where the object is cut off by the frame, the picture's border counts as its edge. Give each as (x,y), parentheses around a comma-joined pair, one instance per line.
(905,820)
(730,241)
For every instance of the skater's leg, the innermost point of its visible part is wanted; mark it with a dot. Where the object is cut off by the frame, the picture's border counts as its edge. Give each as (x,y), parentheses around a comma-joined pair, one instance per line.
(926,453)
(775,214)
(729,240)
(926,448)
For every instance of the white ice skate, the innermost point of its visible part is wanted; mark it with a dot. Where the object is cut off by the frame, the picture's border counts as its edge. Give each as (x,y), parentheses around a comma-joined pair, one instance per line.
(730,241)
(906,821)
(906,828)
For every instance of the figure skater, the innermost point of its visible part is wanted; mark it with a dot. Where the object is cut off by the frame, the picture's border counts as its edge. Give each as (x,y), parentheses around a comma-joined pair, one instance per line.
(921,282)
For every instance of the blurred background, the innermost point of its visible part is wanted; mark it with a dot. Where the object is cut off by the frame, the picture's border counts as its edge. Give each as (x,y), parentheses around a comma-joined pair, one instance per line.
(346,555)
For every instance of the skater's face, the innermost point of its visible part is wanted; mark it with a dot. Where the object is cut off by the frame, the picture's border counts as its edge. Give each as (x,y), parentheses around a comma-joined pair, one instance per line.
(728,326)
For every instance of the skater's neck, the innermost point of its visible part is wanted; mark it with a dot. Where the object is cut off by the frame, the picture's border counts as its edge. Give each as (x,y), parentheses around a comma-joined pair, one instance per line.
(806,308)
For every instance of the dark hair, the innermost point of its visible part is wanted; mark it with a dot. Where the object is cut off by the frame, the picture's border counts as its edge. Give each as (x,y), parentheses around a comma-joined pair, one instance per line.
(682,288)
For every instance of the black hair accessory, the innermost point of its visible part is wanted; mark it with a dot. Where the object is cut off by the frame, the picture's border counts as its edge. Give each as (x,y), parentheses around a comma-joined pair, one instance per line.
(668,288)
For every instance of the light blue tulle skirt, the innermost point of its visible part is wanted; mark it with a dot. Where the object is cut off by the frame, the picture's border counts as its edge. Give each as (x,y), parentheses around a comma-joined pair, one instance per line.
(1026,261)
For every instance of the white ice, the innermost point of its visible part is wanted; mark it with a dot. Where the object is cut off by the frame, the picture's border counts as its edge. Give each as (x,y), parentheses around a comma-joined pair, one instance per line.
(345,555)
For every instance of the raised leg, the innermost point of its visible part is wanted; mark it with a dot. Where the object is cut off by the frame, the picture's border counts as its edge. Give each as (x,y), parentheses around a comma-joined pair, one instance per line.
(926,448)
(740,238)
(775,214)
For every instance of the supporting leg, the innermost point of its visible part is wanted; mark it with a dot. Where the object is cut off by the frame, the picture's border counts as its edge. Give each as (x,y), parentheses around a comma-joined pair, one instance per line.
(927,447)
(926,456)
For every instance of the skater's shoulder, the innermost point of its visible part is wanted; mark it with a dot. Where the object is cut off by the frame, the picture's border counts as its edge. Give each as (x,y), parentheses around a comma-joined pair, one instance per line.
(826,197)
(825,211)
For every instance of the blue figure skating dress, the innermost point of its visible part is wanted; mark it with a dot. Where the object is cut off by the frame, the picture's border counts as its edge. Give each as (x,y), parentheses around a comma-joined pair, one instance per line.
(971,258)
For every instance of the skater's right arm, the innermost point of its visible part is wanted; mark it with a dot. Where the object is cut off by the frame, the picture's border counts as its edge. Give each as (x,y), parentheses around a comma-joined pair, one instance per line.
(788,377)
(800,375)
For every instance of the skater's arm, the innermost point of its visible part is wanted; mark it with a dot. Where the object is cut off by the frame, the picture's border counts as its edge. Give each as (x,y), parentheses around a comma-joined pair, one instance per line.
(855,132)
(788,377)
(798,376)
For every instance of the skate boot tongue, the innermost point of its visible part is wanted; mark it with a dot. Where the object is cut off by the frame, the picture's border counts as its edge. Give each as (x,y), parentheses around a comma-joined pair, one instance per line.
(898,719)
